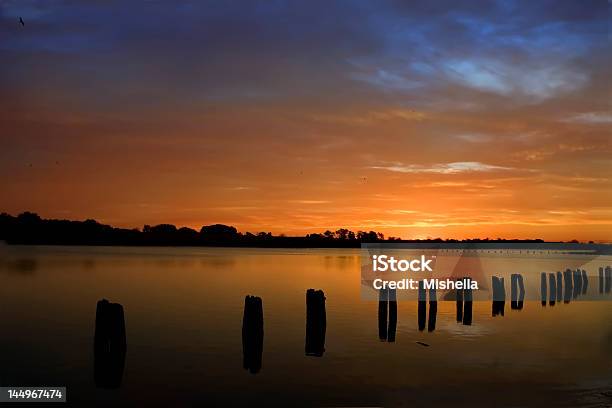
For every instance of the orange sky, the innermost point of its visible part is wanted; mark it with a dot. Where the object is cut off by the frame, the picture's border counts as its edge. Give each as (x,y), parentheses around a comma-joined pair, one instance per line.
(290,137)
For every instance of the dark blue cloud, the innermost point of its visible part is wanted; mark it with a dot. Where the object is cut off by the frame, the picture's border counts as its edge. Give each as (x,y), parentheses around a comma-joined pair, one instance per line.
(240,50)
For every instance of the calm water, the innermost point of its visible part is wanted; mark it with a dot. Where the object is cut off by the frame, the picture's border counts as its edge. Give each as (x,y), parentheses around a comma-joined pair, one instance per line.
(184,308)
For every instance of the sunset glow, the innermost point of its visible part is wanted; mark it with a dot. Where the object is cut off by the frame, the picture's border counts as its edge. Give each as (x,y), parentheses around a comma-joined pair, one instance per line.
(493,121)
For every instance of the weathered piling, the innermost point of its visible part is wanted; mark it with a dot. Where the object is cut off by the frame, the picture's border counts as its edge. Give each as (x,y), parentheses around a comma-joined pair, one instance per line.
(109,344)
(499,296)
(467,307)
(392,316)
(585,282)
(552,283)
(567,282)
(252,334)
(383,306)
(608,273)
(517,291)
(601,280)
(559,286)
(433,310)
(577,282)
(316,323)
(543,287)
(422,306)
(459,304)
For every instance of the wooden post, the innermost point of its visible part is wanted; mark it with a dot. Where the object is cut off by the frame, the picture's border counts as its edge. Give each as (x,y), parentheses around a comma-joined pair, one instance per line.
(467,307)
(567,282)
(252,334)
(559,286)
(499,296)
(422,306)
(577,282)
(459,294)
(433,310)
(383,306)
(543,287)
(553,289)
(517,291)
(316,323)
(392,316)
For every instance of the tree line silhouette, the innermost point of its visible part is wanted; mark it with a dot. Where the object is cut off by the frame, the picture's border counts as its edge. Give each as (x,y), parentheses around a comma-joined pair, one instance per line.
(30,229)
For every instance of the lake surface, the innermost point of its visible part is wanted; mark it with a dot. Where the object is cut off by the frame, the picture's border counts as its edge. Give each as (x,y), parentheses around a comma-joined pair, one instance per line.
(183,315)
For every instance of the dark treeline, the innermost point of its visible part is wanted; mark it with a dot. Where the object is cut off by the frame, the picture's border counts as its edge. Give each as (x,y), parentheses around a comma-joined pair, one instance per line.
(29,228)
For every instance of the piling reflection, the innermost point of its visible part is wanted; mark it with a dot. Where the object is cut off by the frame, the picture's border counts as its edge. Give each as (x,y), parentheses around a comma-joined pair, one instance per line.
(252,334)
(109,344)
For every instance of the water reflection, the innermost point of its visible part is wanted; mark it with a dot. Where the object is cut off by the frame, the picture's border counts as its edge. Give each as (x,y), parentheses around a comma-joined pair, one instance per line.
(316,323)
(252,334)
(109,344)
(21,266)
(486,343)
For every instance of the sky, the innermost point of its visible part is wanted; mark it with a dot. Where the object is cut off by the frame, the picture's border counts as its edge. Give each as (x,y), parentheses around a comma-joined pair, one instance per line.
(417,119)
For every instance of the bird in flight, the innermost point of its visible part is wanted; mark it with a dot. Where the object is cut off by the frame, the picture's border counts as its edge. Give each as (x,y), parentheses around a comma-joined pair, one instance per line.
(21,21)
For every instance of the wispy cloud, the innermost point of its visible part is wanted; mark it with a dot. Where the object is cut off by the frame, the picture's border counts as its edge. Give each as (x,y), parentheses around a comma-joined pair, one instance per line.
(240,188)
(310,201)
(442,168)
(473,137)
(372,117)
(590,118)
(500,77)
